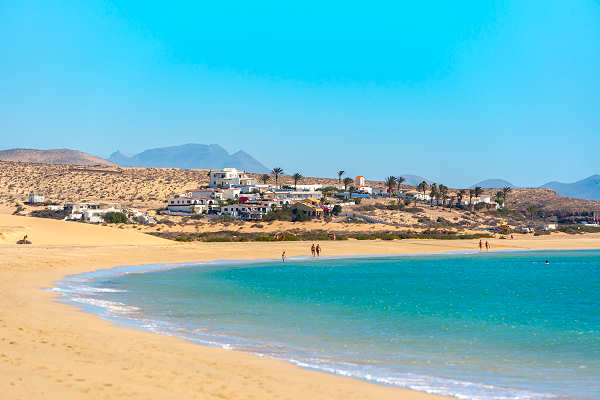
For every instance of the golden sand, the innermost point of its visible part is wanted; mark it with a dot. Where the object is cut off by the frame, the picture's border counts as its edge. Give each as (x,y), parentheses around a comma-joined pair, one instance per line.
(50,350)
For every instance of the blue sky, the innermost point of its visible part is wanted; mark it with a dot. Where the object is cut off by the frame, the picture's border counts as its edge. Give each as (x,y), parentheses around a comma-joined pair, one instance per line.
(453,91)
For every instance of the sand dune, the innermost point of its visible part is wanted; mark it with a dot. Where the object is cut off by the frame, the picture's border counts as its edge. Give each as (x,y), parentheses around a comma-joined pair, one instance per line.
(43,231)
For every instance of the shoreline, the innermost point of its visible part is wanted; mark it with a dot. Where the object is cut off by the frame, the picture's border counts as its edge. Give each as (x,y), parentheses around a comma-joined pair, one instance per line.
(67,289)
(49,349)
(145,268)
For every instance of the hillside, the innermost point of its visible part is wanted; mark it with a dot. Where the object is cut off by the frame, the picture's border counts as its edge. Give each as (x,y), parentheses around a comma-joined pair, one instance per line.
(150,187)
(55,156)
(588,188)
(190,156)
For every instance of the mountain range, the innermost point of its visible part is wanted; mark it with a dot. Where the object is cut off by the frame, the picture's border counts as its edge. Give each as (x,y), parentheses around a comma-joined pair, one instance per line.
(414,180)
(190,156)
(588,188)
(213,156)
(54,156)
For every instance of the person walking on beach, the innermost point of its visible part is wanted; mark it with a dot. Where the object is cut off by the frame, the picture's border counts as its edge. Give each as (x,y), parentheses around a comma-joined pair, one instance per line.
(283,257)
(312,250)
(487,246)
(318,250)
(480,245)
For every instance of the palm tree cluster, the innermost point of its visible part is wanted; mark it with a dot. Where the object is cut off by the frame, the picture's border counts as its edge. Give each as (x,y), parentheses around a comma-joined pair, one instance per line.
(277,172)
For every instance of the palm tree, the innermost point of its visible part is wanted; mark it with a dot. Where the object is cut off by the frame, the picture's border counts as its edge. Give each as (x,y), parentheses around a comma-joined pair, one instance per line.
(433,193)
(461,193)
(532,210)
(499,199)
(478,191)
(390,182)
(347,182)
(399,181)
(505,191)
(471,194)
(443,191)
(277,171)
(297,177)
(422,187)
(452,201)
(340,173)
(265,178)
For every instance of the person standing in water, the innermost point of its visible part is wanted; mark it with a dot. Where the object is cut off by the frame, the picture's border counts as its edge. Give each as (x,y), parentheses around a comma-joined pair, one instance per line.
(283,257)
(318,250)
(312,250)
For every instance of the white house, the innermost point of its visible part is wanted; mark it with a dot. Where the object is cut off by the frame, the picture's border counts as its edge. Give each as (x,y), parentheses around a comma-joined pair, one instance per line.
(421,196)
(360,181)
(97,215)
(36,198)
(190,204)
(230,194)
(91,212)
(309,188)
(246,211)
(296,194)
(204,193)
(230,177)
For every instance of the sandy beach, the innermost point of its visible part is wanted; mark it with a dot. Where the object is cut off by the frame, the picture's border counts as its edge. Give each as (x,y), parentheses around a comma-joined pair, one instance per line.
(49,350)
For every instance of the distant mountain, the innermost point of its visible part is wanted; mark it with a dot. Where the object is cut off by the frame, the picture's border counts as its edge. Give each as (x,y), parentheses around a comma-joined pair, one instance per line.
(55,156)
(493,184)
(414,180)
(190,156)
(588,188)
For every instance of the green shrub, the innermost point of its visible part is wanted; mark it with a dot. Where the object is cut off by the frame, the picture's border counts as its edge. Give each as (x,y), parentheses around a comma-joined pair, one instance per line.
(114,217)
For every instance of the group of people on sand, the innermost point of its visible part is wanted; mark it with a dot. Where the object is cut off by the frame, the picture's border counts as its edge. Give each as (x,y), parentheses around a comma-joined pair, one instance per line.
(487,245)
(315,250)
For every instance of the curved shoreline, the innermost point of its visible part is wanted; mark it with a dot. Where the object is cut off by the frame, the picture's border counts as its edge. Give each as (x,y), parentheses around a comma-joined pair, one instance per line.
(79,289)
(52,350)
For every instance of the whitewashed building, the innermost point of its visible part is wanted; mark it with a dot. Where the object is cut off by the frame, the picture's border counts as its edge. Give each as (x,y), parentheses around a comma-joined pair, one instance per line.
(190,204)
(227,177)
(297,194)
(96,216)
(246,211)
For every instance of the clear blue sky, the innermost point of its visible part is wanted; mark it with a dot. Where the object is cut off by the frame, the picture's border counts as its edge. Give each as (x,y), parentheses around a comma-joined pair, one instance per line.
(453,91)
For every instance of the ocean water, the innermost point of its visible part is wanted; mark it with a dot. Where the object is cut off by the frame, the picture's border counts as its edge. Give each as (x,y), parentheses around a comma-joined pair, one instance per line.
(499,325)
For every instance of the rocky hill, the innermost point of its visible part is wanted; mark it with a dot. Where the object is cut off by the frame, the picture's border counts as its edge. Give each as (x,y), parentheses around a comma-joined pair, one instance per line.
(55,156)
(588,188)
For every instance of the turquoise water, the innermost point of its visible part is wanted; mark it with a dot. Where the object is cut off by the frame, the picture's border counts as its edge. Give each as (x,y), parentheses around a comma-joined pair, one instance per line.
(473,326)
